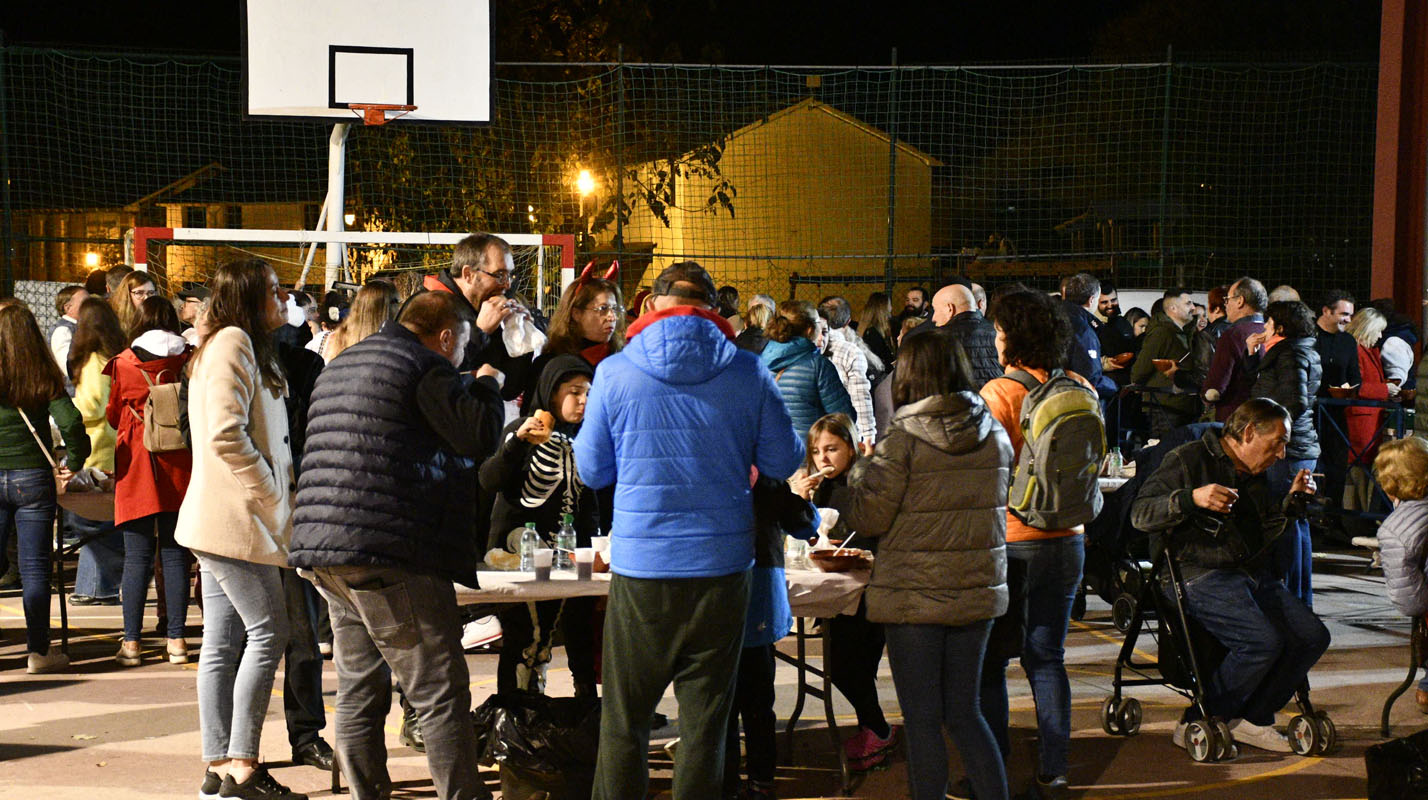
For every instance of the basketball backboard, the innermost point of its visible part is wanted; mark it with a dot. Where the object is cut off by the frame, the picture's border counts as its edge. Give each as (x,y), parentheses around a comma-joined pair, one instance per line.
(313,58)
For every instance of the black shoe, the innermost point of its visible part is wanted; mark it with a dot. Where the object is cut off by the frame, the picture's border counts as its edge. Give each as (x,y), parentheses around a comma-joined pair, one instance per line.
(211,784)
(259,786)
(961,790)
(411,735)
(83,600)
(1052,787)
(316,753)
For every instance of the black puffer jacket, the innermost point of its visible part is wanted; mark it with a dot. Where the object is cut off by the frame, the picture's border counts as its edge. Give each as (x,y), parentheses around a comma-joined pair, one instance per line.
(934,494)
(1289,374)
(978,338)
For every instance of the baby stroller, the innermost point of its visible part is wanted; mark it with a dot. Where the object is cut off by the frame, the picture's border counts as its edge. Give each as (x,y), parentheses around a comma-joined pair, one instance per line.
(1185,653)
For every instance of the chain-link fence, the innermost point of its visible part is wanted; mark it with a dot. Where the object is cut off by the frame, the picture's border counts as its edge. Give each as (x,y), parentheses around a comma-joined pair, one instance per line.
(814,180)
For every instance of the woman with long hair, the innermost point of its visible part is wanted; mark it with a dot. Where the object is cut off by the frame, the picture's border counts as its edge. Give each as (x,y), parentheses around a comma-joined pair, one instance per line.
(148,487)
(933,495)
(31,391)
(238,521)
(1033,337)
(876,326)
(808,382)
(134,288)
(375,305)
(589,322)
(98,337)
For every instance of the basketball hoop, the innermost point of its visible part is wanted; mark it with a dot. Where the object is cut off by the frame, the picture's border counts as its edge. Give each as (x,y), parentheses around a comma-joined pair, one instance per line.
(376,113)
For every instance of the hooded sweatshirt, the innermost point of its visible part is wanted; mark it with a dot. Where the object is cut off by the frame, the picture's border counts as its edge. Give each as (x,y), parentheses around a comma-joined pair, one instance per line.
(538,482)
(934,494)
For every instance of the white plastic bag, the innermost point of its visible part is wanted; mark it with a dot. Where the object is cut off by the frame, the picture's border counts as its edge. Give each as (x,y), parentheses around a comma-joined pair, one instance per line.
(520,335)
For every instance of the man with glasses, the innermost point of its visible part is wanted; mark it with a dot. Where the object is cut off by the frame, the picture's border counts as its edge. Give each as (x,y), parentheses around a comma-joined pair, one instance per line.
(1233,368)
(480,274)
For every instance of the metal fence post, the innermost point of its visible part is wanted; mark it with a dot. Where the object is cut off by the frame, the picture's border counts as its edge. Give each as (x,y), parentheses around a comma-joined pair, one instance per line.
(1165,172)
(889,269)
(619,153)
(6,237)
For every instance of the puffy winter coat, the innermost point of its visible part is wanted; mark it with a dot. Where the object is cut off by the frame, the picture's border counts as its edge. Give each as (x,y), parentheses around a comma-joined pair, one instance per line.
(934,493)
(807,381)
(674,421)
(145,483)
(1403,544)
(1289,374)
(978,338)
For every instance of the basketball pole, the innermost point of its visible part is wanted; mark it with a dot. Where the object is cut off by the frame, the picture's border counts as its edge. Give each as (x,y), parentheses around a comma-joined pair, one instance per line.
(336,176)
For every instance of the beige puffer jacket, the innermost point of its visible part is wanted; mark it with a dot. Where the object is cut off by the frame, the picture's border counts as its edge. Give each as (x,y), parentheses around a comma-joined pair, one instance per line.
(935,493)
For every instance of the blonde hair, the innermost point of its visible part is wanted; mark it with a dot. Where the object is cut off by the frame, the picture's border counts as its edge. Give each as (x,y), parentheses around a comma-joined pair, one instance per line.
(1367,325)
(123,303)
(376,304)
(759,315)
(1402,468)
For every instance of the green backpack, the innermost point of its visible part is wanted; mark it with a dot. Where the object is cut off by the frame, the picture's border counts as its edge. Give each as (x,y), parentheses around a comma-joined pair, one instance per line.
(1063,444)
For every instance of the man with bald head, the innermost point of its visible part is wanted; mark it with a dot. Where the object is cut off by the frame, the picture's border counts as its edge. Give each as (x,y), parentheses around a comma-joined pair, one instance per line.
(954,312)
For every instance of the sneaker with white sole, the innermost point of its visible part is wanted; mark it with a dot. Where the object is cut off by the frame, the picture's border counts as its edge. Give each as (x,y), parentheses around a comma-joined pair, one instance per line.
(1265,737)
(480,632)
(53,661)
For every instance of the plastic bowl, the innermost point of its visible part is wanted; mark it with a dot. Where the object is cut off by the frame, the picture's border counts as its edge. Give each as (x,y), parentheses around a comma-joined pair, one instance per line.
(1406,396)
(1122,360)
(833,561)
(1163,364)
(1341,392)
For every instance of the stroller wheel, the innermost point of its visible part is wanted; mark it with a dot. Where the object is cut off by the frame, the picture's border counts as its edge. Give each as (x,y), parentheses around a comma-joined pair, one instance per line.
(1128,577)
(1328,734)
(1128,714)
(1229,751)
(1303,735)
(1201,741)
(1122,611)
(1110,720)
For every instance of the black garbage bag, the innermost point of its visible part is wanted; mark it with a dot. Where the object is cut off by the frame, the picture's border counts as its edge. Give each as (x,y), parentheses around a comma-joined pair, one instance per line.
(1398,769)
(534,732)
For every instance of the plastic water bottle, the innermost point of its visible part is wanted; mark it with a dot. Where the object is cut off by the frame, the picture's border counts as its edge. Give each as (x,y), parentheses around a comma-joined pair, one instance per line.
(565,545)
(530,540)
(1114,463)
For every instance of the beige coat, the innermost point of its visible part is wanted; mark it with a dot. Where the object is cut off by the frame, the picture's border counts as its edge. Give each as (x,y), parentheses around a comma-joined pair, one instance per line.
(240,499)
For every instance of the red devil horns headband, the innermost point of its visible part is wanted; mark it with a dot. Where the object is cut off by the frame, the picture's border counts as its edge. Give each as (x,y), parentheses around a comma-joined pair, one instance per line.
(609,275)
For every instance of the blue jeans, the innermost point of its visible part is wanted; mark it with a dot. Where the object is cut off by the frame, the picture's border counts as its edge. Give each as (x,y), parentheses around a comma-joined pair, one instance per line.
(1053,572)
(140,536)
(1273,639)
(101,561)
(245,630)
(27,496)
(1293,556)
(936,670)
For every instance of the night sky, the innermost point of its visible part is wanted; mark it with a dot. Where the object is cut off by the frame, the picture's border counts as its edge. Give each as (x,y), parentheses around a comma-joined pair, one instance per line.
(830,32)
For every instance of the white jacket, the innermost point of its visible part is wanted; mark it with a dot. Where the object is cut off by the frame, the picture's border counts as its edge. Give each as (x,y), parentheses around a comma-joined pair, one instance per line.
(240,499)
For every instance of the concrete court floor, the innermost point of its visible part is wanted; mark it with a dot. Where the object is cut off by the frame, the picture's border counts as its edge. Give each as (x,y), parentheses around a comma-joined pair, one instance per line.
(134,732)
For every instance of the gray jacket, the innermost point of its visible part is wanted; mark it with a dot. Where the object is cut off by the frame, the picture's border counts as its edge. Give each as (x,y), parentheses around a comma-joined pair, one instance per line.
(934,493)
(1403,544)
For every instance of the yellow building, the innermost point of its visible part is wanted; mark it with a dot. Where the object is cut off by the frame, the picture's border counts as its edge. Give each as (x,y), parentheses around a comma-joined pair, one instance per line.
(811,196)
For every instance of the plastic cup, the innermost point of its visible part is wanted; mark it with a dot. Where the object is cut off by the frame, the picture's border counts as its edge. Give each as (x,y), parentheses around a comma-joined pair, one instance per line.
(543,559)
(584,562)
(600,543)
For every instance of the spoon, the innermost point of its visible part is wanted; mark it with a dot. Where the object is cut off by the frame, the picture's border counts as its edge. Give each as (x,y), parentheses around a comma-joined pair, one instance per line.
(845,543)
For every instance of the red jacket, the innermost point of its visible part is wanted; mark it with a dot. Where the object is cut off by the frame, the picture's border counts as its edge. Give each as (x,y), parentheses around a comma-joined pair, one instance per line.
(1363,422)
(145,483)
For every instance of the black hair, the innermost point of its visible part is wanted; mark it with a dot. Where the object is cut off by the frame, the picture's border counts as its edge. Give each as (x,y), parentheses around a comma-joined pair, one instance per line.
(1333,297)
(1079,288)
(1292,318)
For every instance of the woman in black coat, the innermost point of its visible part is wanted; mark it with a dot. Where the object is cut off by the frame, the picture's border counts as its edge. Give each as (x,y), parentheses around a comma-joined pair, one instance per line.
(1289,374)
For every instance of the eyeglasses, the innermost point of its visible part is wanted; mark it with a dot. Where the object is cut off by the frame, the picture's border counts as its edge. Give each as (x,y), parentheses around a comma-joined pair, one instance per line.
(603,311)
(500,276)
(144,294)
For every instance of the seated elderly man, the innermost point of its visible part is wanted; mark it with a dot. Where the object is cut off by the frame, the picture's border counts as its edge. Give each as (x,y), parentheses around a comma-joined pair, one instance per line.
(1212,498)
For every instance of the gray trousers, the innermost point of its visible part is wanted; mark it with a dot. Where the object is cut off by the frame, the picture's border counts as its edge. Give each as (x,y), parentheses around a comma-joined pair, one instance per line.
(382,618)
(688,631)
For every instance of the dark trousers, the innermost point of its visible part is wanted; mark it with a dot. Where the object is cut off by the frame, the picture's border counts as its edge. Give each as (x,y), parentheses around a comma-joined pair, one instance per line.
(1273,639)
(302,665)
(27,496)
(936,670)
(688,631)
(753,703)
(527,633)
(1164,419)
(855,650)
(141,537)
(1293,555)
(387,620)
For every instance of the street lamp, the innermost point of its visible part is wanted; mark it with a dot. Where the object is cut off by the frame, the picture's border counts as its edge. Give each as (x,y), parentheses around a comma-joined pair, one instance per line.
(585,182)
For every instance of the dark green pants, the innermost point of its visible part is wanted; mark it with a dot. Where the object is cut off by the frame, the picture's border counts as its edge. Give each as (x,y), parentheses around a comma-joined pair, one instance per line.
(688,631)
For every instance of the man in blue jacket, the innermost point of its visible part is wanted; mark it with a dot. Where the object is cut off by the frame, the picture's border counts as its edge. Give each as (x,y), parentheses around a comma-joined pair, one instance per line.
(1082,292)
(675,421)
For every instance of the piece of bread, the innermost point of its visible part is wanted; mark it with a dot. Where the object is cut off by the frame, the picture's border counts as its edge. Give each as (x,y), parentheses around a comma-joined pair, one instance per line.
(541,434)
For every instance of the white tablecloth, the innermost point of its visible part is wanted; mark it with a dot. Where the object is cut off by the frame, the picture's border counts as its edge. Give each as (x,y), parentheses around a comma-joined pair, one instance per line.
(1112,484)
(811,592)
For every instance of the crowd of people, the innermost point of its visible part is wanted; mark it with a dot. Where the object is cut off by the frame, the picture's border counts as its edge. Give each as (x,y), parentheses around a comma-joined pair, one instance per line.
(335,466)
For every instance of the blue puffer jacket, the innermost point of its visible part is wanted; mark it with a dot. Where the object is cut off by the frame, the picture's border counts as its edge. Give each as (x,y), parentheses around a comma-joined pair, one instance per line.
(674,421)
(808,382)
(1403,543)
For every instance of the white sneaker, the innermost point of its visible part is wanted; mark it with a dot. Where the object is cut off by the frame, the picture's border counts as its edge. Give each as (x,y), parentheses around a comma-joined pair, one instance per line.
(1178,737)
(1265,737)
(480,632)
(53,661)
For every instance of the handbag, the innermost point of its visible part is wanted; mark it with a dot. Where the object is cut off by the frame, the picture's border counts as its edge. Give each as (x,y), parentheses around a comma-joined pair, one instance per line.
(61,483)
(163,432)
